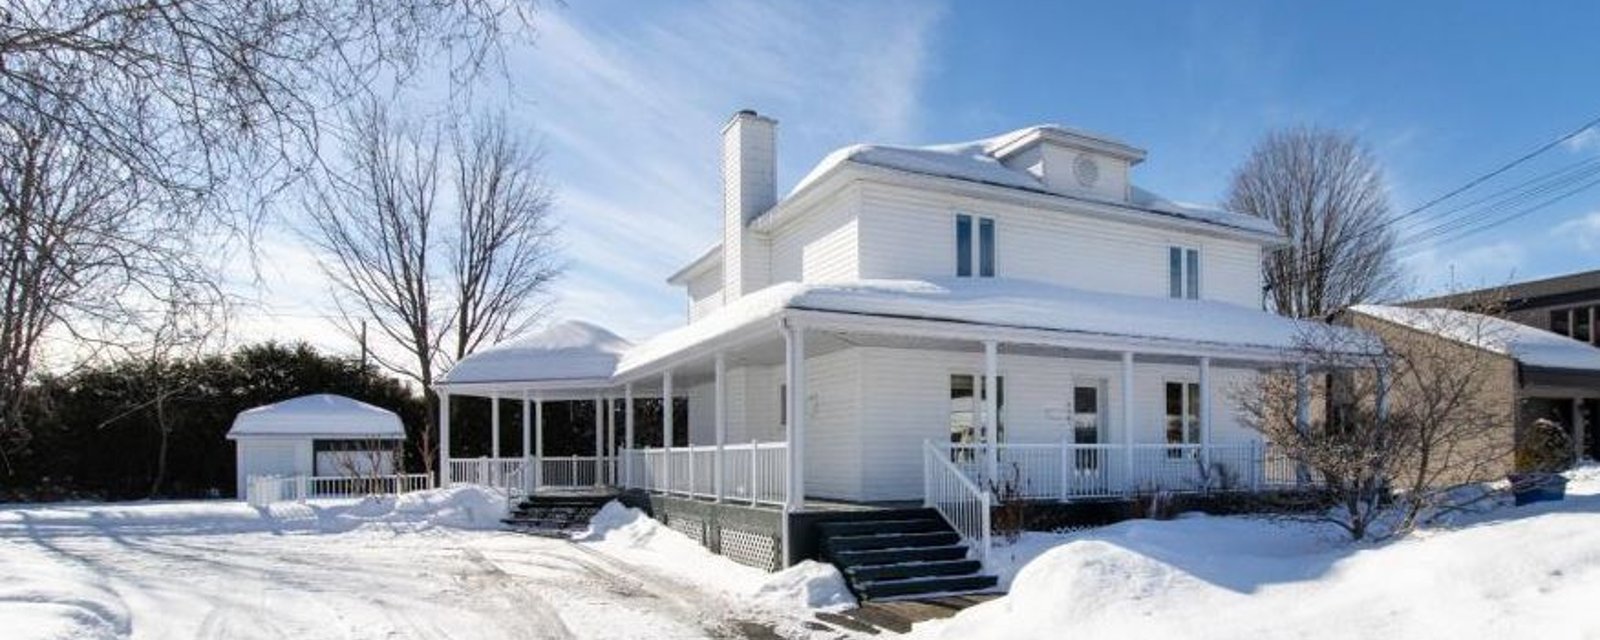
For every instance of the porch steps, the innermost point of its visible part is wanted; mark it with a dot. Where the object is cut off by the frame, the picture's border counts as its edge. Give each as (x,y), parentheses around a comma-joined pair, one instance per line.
(555,516)
(902,556)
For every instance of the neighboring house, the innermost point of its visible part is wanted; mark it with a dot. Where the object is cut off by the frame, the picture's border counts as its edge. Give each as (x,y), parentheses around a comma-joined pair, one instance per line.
(1528,374)
(1568,305)
(315,436)
(860,339)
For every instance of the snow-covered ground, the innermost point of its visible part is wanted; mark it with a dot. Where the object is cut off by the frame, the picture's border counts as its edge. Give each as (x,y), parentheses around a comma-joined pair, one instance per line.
(430,565)
(1504,572)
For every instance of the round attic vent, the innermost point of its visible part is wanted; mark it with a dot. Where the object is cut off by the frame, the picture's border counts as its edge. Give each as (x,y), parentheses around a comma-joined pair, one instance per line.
(1086,170)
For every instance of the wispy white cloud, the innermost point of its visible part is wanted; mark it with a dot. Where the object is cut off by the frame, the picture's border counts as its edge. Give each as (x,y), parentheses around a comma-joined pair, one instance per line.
(1437,270)
(1583,230)
(630,106)
(1586,140)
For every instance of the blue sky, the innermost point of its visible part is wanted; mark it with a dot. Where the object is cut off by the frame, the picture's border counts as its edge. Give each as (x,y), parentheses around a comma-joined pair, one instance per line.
(627,99)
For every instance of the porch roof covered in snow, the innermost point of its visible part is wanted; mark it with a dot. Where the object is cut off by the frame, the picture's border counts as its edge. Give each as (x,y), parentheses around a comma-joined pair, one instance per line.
(568,355)
(1012,311)
(322,415)
(1533,347)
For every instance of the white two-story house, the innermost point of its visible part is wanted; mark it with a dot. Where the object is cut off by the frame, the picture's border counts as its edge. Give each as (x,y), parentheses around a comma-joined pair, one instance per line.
(865,339)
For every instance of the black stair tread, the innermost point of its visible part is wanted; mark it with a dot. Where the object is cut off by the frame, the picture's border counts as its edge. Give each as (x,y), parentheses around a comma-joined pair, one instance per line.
(926,585)
(891,541)
(892,556)
(877,572)
(868,527)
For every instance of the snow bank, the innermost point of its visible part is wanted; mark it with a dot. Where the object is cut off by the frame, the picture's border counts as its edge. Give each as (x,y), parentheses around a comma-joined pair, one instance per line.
(808,585)
(42,598)
(461,507)
(629,534)
(1510,572)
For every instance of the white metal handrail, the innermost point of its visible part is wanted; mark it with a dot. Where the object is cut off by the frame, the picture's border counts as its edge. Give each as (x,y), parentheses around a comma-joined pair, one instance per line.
(948,490)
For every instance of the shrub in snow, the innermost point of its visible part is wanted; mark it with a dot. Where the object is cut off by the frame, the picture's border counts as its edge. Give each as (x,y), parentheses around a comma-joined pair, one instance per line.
(1545,448)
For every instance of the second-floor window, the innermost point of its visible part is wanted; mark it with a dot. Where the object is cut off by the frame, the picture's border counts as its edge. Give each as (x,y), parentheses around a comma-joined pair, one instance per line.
(1577,323)
(1183,273)
(975,254)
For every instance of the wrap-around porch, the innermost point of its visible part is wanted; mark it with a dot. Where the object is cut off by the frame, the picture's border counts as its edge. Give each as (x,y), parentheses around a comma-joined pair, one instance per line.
(827,402)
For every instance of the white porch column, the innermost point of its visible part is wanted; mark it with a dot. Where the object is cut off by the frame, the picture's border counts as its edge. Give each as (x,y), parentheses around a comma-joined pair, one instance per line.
(627,432)
(528,481)
(538,441)
(444,439)
(1205,414)
(599,442)
(794,360)
(494,425)
(666,424)
(720,371)
(991,411)
(1127,418)
(611,438)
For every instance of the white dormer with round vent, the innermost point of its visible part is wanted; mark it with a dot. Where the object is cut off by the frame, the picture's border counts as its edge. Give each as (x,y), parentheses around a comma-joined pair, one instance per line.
(1070,161)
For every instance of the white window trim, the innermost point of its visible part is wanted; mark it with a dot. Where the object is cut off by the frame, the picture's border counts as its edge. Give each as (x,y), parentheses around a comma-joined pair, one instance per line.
(1184,380)
(1183,270)
(974,244)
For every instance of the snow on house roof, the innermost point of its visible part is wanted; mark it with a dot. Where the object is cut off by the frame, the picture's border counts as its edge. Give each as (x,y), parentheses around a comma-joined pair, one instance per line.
(572,350)
(1529,345)
(319,415)
(1005,303)
(975,161)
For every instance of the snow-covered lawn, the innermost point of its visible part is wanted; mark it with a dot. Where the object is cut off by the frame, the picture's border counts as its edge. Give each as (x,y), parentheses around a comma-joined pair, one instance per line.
(1506,572)
(430,565)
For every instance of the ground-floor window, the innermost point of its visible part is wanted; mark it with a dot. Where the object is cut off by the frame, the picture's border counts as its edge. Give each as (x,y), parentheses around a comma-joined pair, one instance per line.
(1086,424)
(967,398)
(1183,415)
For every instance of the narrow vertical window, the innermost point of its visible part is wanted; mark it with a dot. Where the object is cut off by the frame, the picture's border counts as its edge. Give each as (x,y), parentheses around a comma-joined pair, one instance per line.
(1175,272)
(783,405)
(986,247)
(1580,324)
(1183,416)
(963,246)
(1192,266)
(1183,273)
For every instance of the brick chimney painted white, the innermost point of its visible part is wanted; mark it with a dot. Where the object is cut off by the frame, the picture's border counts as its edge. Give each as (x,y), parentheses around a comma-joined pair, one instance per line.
(749,188)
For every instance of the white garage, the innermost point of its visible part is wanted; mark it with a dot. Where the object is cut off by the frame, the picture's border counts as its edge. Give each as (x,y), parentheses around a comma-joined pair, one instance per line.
(320,435)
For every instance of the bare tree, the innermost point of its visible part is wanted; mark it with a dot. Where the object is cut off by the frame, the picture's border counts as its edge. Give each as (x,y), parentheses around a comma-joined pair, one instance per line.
(191,93)
(441,256)
(1410,409)
(1326,191)
(132,129)
(88,250)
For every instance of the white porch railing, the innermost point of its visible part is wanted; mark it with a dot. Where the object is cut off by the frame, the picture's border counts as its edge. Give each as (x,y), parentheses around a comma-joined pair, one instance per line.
(261,491)
(753,472)
(947,489)
(519,476)
(1064,470)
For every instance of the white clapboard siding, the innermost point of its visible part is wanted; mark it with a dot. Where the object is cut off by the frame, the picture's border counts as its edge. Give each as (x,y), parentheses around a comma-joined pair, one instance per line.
(705,294)
(906,233)
(819,246)
(833,451)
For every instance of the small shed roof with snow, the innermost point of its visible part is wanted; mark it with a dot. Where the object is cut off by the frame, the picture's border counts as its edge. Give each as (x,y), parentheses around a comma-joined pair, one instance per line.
(321,415)
(568,352)
(1529,345)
